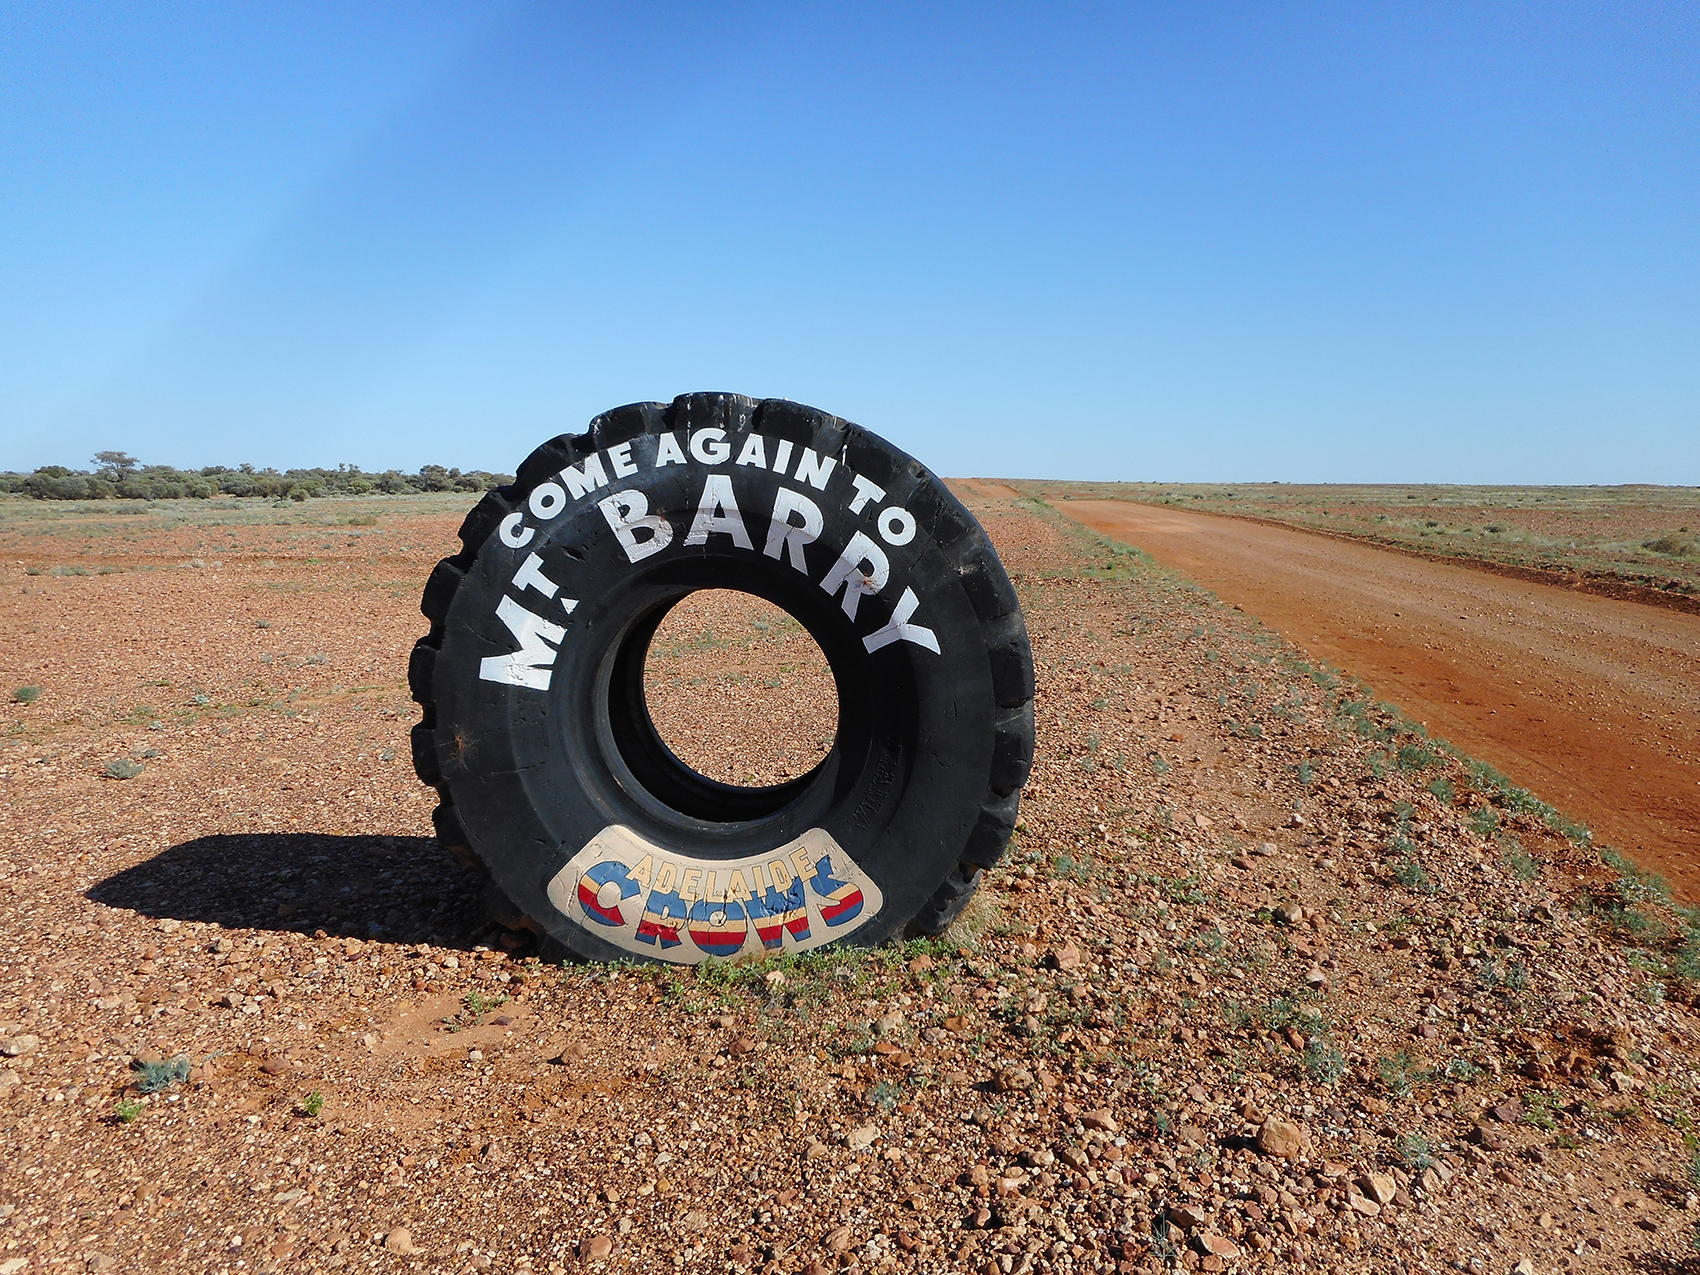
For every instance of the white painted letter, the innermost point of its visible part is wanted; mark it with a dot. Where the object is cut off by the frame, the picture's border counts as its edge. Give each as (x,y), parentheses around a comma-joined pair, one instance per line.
(667,451)
(900,630)
(865,491)
(530,665)
(897,525)
(754,452)
(861,568)
(718,510)
(530,576)
(626,511)
(547,500)
(621,455)
(510,530)
(793,535)
(782,456)
(710,446)
(586,478)
(814,468)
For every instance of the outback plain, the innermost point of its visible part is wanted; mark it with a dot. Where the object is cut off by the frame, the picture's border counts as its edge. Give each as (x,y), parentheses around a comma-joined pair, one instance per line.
(1271,978)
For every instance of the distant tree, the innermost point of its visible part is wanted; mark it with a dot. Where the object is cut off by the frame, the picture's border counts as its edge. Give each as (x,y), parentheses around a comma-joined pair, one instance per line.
(116,465)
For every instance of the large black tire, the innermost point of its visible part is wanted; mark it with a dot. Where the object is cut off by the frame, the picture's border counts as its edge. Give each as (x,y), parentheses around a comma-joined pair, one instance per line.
(538,740)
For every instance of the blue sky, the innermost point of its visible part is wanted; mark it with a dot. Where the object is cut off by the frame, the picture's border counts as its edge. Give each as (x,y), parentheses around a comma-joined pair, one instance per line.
(1237,242)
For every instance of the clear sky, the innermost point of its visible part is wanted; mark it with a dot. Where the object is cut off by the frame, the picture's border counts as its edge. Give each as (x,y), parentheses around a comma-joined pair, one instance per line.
(1208,241)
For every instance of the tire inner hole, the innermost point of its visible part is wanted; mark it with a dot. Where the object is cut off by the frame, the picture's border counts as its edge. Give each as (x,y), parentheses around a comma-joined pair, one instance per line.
(739,690)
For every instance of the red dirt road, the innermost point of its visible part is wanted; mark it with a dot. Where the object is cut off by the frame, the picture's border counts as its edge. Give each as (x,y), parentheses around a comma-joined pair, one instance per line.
(1591,703)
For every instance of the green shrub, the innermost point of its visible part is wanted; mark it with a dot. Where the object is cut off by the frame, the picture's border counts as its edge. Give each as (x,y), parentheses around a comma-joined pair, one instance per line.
(26,695)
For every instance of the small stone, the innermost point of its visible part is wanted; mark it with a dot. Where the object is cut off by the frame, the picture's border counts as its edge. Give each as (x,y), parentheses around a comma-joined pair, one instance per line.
(596,1247)
(1282,1138)
(889,1025)
(276,1065)
(726,1022)
(400,1242)
(1189,1216)
(814,1147)
(1508,1112)
(921,964)
(1066,957)
(8,1078)
(1099,1119)
(1289,913)
(1013,1080)
(743,1045)
(19,1046)
(695,1220)
(1379,1187)
(862,1138)
(839,1240)
(475,1055)
(1210,1242)
(1524,1267)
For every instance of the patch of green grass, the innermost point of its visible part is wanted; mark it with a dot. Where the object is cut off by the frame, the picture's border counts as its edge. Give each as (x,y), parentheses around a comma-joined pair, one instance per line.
(160,1075)
(1538,1110)
(1398,1073)
(1323,1062)
(1415,1152)
(1519,860)
(1415,756)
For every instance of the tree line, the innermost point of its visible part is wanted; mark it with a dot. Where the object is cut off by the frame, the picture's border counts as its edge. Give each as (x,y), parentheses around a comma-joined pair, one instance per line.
(118,475)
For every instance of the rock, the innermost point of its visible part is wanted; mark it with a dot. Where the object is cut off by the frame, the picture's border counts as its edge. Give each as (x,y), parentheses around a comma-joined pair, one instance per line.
(19,1046)
(400,1242)
(862,1138)
(1189,1216)
(1074,1157)
(741,1046)
(1066,957)
(1379,1187)
(276,1065)
(596,1247)
(1289,913)
(838,1240)
(1013,1080)
(814,1147)
(1282,1138)
(1508,1112)
(1210,1242)
(889,1025)
(921,964)
(726,1022)
(695,1220)
(1100,1119)
(1524,1267)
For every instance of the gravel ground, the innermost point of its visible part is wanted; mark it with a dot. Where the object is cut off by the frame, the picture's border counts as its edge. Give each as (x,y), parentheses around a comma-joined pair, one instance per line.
(1266,982)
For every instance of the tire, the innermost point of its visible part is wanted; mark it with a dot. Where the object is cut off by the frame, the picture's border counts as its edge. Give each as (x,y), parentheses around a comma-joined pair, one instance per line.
(537,738)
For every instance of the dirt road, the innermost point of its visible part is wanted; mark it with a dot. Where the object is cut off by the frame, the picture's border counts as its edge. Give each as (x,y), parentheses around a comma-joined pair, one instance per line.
(1591,703)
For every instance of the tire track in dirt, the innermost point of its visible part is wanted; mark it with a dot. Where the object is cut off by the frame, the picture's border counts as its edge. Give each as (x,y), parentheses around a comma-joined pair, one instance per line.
(1591,703)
